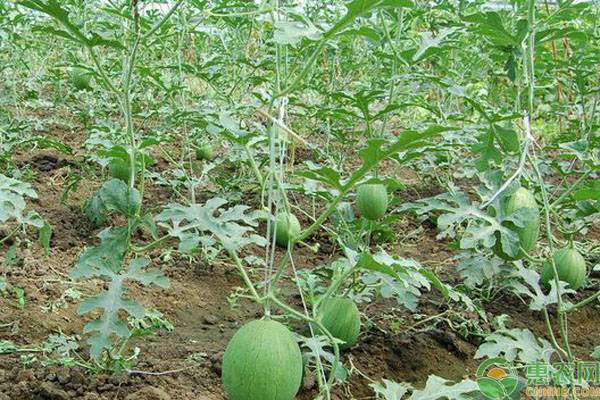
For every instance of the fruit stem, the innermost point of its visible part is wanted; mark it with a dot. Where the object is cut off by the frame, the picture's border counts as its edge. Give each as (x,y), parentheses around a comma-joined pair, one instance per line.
(314,248)
(245,277)
(11,234)
(583,303)
(552,336)
(570,189)
(142,249)
(253,165)
(335,286)
(529,257)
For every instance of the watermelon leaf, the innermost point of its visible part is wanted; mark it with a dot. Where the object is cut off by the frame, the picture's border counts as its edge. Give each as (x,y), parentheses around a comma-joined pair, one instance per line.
(532,288)
(515,344)
(233,227)
(390,390)
(112,300)
(440,388)
(12,202)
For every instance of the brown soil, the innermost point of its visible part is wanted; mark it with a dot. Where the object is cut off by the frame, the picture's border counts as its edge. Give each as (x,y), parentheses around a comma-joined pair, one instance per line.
(393,346)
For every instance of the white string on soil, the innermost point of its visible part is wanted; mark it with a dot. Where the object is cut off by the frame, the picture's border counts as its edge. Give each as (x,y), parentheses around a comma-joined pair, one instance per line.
(173,371)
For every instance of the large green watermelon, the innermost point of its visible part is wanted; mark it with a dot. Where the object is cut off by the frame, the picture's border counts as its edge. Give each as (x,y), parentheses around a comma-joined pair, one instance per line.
(262,362)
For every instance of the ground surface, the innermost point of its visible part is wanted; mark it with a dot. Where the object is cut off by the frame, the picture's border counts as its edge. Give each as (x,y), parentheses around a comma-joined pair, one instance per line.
(394,345)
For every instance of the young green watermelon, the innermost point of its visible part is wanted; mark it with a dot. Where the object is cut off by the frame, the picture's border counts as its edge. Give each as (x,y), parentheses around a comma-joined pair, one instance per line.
(287,228)
(204,153)
(119,169)
(80,78)
(372,200)
(570,266)
(341,318)
(262,362)
(528,235)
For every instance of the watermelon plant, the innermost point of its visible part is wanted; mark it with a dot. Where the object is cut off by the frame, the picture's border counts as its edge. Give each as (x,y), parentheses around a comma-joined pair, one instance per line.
(109,333)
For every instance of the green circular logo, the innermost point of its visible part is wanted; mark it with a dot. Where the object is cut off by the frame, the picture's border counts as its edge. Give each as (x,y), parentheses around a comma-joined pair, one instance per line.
(496,379)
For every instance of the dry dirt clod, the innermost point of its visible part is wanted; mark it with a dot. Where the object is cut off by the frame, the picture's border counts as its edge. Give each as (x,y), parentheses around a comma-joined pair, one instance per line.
(106,387)
(211,320)
(51,392)
(149,393)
